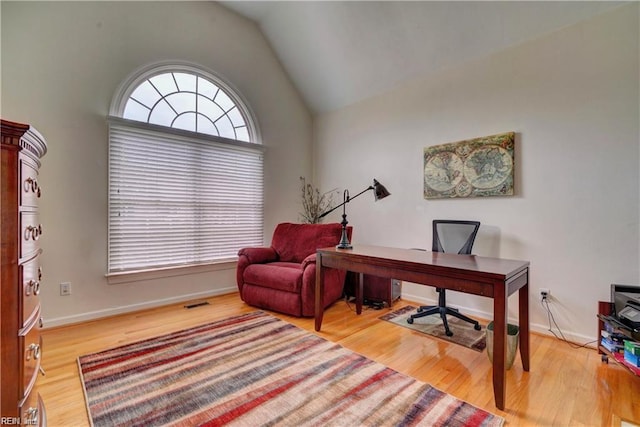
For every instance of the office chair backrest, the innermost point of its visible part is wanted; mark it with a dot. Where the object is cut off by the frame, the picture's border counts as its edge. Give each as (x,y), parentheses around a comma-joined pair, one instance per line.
(454,236)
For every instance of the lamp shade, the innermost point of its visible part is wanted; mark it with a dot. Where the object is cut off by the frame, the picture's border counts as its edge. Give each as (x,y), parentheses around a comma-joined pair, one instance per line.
(379,190)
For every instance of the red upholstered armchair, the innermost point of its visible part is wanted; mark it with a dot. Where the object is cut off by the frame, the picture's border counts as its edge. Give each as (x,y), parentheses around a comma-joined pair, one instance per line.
(282,277)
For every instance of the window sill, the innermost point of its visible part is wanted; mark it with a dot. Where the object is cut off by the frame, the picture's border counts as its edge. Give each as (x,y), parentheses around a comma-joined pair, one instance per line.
(159,273)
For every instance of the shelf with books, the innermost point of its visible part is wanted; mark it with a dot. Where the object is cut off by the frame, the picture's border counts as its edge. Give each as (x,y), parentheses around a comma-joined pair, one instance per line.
(620,359)
(617,341)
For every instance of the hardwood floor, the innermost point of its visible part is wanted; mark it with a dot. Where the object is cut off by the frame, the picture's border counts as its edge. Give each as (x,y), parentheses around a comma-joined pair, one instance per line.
(565,387)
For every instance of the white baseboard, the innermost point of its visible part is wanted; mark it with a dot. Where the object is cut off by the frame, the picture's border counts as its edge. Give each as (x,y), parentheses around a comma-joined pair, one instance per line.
(93,315)
(534,327)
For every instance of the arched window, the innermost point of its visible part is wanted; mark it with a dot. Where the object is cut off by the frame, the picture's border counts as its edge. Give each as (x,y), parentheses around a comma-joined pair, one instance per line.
(187,101)
(185,171)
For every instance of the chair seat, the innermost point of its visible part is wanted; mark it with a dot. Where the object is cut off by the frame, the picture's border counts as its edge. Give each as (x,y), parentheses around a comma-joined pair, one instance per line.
(283,276)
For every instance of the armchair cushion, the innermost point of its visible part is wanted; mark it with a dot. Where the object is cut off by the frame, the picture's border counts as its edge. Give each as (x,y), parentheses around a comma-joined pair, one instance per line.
(259,255)
(282,277)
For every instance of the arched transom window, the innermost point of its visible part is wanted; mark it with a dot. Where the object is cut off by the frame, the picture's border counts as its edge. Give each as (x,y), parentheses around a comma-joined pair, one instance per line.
(187,101)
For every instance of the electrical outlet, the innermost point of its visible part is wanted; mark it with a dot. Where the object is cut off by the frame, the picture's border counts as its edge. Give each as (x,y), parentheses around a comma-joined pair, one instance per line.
(545,293)
(65,289)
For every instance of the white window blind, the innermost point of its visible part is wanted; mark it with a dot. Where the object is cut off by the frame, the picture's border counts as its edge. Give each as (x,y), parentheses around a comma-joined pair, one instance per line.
(179,198)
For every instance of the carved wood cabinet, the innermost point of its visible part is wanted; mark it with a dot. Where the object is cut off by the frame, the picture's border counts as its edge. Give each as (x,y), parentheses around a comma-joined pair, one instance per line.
(20,318)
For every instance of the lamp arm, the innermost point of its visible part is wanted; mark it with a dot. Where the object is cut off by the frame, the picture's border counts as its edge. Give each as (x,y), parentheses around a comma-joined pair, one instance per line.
(347,199)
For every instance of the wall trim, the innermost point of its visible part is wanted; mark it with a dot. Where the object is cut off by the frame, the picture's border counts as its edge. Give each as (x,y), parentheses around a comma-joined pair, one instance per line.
(99,314)
(575,338)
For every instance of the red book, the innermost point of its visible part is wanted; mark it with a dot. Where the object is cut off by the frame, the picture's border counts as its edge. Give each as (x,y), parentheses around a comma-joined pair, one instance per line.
(620,358)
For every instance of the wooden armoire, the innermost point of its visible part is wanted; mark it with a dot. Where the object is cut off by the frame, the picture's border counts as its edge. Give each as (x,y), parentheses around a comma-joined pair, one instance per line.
(21,273)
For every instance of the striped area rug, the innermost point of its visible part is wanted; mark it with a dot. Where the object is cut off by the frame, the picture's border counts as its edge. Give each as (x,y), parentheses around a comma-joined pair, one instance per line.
(257,370)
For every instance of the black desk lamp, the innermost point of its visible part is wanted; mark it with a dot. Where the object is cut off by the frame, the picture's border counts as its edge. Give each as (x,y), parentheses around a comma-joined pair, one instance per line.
(379,192)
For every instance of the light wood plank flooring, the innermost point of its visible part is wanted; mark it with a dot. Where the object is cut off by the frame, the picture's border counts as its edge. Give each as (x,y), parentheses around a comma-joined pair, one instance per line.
(565,387)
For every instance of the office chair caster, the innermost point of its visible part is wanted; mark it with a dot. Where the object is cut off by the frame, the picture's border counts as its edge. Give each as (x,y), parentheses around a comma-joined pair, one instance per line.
(410,320)
(477,327)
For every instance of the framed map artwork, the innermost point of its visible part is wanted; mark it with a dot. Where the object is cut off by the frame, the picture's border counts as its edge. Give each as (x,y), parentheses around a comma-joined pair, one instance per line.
(472,168)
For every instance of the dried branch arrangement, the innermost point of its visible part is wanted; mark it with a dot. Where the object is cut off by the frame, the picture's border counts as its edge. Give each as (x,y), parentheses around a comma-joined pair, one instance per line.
(314,203)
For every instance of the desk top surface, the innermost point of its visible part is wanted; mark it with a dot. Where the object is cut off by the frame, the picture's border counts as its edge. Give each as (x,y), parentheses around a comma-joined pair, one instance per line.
(420,258)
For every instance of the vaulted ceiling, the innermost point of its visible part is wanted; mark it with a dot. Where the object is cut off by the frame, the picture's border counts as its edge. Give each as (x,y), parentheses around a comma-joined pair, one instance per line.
(340,52)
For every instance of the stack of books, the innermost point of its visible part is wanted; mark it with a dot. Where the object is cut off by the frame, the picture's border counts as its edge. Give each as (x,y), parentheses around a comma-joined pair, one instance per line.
(624,348)
(632,353)
(613,341)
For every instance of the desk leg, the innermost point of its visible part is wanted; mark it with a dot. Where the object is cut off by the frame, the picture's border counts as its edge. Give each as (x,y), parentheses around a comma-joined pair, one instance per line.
(523,310)
(319,291)
(359,292)
(499,343)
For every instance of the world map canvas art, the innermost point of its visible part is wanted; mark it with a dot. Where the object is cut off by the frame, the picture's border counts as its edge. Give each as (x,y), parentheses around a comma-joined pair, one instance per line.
(471,168)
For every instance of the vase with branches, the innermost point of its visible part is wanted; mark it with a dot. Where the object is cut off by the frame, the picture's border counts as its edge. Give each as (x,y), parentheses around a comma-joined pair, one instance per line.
(314,203)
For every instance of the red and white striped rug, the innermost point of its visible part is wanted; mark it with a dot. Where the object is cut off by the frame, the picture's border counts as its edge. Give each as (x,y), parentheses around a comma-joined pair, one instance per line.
(256,370)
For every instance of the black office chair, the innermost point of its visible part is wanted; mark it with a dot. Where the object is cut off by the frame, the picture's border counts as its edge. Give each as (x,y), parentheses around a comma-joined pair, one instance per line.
(454,237)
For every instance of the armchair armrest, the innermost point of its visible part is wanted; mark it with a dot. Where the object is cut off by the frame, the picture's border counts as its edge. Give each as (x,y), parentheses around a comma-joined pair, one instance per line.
(259,255)
(311,259)
(253,255)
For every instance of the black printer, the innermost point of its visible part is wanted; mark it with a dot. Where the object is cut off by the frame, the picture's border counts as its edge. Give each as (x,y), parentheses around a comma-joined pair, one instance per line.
(626,299)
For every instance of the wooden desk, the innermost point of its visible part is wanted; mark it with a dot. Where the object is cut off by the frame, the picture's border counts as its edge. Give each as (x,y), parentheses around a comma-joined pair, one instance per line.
(490,277)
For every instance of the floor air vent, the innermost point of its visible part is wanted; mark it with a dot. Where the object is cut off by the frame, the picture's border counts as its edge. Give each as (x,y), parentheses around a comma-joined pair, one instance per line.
(196,304)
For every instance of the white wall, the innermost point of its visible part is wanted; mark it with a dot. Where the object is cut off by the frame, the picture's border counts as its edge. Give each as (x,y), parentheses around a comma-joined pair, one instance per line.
(572,97)
(61,65)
